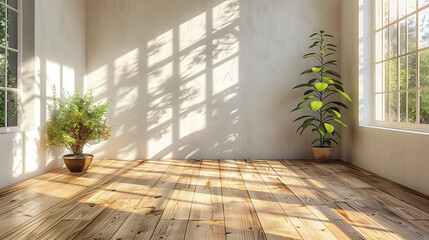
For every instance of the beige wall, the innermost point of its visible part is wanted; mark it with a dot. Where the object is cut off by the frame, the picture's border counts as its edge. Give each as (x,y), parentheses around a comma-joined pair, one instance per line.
(202,79)
(54,57)
(399,156)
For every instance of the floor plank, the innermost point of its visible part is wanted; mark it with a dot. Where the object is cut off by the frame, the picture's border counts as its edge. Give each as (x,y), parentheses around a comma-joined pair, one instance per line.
(212,199)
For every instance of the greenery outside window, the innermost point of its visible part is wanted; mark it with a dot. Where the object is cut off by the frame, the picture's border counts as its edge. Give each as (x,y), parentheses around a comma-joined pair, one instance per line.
(9,81)
(401,69)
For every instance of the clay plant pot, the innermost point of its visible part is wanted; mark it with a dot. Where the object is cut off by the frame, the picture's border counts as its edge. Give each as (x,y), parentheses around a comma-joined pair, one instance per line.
(78,163)
(322,154)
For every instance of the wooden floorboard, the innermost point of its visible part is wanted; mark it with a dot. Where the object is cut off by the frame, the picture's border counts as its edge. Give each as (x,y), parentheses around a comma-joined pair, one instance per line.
(213,199)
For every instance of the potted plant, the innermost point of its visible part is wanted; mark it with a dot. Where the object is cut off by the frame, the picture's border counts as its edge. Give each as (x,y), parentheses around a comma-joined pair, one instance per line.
(76,121)
(318,97)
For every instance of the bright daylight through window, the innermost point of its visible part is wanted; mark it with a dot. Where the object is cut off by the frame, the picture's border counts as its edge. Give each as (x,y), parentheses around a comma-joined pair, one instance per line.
(402,62)
(8,63)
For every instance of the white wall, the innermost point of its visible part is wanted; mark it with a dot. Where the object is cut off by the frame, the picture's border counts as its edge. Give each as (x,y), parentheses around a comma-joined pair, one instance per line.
(57,58)
(202,79)
(398,156)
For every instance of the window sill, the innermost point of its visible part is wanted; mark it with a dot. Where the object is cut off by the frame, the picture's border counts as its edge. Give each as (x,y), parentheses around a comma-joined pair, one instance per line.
(402,128)
(9,130)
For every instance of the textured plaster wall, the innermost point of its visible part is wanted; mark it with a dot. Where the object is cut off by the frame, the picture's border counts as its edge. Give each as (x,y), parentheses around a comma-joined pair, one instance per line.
(397,155)
(202,79)
(53,54)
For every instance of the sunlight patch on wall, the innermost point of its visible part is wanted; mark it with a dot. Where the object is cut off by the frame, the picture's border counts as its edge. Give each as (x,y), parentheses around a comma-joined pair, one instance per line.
(193,62)
(158,79)
(126,66)
(225,76)
(68,78)
(192,108)
(53,78)
(100,84)
(192,31)
(160,48)
(160,142)
(225,14)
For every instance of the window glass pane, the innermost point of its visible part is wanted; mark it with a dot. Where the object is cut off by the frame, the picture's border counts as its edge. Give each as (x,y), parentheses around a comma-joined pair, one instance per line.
(386,106)
(12,69)
(13,3)
(385,12)
(424,68)
(379,77)
(2,67)
(386,43)
(412,33)
(394,74)
(403,72)
(379,46)
(403,106)
(2,25)
(424,106)
(423,2)
(424,28)
(2,108)
(412,104)
(411,6)
(393,40)
(393,99)
(379,14)
(12,29)
(412,60)
(379,103)
(386,76)
(393,10)
(12,109)
(402,8)
(402,37)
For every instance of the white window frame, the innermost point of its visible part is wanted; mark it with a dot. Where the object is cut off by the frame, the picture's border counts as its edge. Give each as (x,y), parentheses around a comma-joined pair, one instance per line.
(17,90)
(397,124)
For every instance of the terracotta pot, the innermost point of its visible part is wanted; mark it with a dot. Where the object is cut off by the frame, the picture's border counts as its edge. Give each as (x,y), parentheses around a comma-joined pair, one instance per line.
(322,154)
(78,163)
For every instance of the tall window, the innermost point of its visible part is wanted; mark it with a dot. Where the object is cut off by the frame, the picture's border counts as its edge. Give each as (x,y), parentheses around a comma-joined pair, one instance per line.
(8,63)
(402,62)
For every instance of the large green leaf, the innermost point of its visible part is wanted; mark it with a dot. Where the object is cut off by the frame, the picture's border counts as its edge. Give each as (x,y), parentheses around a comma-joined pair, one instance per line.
(329,80)
(311,81)
(316,105)
(308,92)
(340,122)
(315,141)
(306,123)
(316,69)
(302,117)
(302,85)
(328,35)
(333,112)
(331,139)
(329,128)
(322,130)
(307,71)
(338,86)
(320,86)
(337,133)
(332,72)
(340,104)
(343,93)
(300,107)
(314,34)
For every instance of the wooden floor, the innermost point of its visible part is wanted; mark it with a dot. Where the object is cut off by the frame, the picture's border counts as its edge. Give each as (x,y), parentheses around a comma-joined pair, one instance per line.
(210,199)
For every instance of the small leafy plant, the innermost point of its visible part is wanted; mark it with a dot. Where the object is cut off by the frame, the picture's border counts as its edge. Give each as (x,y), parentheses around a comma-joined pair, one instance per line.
(76,121)
(319,93)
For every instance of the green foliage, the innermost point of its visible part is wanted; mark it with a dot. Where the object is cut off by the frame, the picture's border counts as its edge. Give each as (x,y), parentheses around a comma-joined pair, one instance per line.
(76,121)
(326,84)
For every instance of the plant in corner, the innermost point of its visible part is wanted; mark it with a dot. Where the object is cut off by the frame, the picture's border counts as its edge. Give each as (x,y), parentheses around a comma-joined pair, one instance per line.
(318,97)
(75,121)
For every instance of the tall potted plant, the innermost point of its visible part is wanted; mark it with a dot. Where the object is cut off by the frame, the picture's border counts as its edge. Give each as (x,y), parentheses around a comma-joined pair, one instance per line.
(75,121)
(318,97)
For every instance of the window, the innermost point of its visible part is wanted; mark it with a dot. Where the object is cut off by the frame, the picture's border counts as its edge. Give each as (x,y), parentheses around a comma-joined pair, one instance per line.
(8,63)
